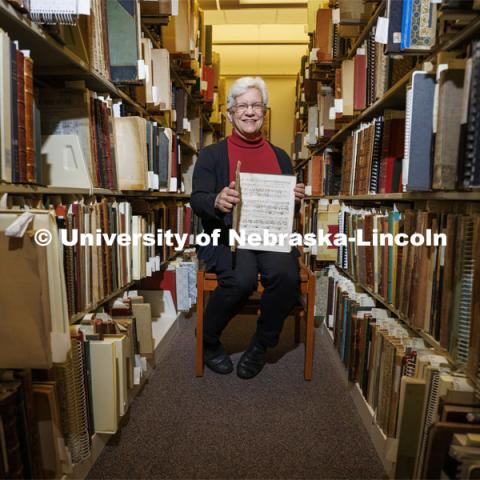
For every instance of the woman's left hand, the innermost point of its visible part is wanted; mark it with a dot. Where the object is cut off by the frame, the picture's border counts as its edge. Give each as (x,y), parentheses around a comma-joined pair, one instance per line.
(299,191)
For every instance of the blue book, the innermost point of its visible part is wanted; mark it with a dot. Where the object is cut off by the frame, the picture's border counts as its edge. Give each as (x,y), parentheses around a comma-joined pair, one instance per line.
(419,133)
(406,24)
(394,15)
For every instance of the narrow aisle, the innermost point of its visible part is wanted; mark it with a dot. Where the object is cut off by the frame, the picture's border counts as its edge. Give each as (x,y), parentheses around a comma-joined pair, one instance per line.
(273,426)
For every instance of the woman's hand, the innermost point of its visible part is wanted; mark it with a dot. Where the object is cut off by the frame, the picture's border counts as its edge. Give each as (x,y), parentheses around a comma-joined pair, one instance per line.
(227,198)
(299,191)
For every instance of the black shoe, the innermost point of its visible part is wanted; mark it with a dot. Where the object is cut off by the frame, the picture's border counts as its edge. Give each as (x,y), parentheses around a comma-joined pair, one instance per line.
(252,361)
(218,360)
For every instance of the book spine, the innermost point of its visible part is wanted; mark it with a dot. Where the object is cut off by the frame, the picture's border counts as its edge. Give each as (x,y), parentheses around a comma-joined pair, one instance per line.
(29,122)
(22,154)
(16,176)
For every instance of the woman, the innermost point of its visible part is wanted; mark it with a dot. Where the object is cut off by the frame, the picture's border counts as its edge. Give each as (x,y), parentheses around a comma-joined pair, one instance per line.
(212,199)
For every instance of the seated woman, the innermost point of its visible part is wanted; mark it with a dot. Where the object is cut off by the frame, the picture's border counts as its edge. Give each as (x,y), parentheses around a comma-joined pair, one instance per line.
(212,199)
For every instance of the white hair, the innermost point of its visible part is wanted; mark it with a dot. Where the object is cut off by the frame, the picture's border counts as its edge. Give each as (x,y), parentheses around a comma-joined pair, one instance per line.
(240,86)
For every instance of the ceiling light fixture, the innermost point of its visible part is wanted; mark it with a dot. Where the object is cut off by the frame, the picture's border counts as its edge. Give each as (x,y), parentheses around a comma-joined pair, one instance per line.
(271,2)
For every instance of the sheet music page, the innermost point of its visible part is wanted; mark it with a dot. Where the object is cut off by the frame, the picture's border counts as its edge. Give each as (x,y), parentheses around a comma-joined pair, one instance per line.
(267,204)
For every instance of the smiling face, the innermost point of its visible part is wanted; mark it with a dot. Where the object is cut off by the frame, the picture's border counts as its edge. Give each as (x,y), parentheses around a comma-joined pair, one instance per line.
(248,121)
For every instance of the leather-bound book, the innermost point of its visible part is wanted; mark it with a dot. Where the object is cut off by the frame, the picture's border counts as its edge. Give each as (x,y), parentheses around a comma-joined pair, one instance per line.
(324,34)
(447,136)
(360,80)
(316,179)
(29,119)
(16,175)
(311,91)
(107,148)
(208,44)
(22,154)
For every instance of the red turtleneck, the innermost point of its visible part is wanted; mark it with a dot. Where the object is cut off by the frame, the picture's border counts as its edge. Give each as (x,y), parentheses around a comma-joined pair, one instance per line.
(256,156)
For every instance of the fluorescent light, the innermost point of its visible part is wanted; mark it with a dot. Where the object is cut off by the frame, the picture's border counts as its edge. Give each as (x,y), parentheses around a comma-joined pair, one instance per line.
(271,2)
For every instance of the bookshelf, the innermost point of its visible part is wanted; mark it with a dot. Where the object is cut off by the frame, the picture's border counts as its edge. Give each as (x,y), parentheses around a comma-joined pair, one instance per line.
(384,446)
(363,35)
(395,95)
(25,189)
(78,316)
(99,440)
(143,211)
(460,196)
(429,340)
(443,318)
(52,58)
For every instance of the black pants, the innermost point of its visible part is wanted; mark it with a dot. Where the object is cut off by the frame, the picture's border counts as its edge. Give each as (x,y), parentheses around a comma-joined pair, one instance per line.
(280,279)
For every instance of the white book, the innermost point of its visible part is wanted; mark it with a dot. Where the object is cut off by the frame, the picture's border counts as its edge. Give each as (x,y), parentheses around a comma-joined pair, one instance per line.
(103,383)
(161,78)
(64,163)
(120,342)
(5,109)
(131,149)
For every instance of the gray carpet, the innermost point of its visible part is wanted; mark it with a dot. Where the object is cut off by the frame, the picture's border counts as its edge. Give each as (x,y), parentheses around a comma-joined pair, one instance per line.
(274,426)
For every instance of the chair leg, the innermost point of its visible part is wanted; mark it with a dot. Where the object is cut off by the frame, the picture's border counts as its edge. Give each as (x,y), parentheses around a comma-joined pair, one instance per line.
(310,330)
(299,316)
(199,351)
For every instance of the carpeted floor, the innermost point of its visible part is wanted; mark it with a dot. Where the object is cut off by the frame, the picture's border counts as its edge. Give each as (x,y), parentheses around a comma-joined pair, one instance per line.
(274,426)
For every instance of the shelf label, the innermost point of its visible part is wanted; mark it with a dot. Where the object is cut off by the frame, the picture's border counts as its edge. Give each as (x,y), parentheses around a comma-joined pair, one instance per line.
(155,98)
(335,16)
(136,375)
(332,113)
(308,190)
(397,37)
(83,7)
(339,105)
(142,74)
(174,8)
(381,33)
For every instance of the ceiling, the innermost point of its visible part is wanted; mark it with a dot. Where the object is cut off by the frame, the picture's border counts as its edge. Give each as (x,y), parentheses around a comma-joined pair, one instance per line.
(264,41)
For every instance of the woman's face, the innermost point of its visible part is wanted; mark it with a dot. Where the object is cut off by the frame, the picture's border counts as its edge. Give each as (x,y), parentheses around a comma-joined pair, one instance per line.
(247,113)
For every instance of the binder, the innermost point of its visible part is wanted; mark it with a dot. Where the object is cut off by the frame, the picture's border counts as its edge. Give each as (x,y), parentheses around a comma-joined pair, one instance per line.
(417,164)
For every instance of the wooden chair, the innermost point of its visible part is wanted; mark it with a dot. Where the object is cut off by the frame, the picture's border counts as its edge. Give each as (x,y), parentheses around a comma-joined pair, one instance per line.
(207,282)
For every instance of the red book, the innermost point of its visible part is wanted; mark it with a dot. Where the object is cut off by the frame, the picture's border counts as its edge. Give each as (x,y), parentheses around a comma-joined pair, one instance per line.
(397,137)
(22,146)
(386,175)
(163,280)
(174,157)
(360,80)
(208,75)
(317,175)
(187,220)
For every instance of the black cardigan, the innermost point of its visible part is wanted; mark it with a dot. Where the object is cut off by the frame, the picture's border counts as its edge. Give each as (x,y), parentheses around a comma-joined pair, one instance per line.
(210,175)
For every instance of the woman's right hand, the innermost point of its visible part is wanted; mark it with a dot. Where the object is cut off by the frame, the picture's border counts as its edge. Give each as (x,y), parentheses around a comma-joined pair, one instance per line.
(227,198)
